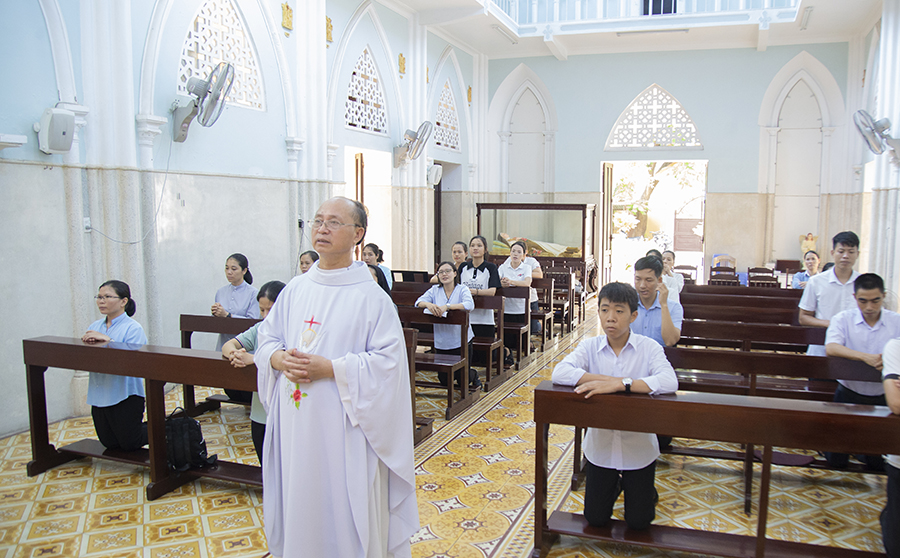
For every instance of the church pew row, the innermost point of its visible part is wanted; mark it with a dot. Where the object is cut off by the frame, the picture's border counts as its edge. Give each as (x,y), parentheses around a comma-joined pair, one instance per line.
(190,324)
(492,347)
(747,337)
(743,291)
(787,316)
(544,315)
(157,365)
(760,421)
(782,376)
(727,300)
(422,427)
(521,331)
(410,317)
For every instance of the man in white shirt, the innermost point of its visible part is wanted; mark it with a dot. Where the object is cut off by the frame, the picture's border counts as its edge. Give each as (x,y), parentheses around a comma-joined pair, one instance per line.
(890,517)
(619,360)
(831,291)
(861,334)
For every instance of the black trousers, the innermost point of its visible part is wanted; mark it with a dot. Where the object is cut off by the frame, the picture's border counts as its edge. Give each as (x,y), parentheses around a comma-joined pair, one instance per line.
(442,376)
(602,487)
(535,324)
(845,395)
(890,516)
(121,426)
(258,433)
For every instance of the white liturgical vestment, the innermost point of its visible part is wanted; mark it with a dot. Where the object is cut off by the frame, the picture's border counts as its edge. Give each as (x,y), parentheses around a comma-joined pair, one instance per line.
(338,453)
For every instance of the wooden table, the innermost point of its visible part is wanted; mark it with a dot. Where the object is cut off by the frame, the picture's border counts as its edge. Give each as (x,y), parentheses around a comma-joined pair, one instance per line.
(707,416)
(157,365)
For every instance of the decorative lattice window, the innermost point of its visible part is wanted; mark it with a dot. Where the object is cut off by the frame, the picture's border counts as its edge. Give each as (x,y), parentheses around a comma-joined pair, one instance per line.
(217,34)
(446,130)
(654,120)
(365,109)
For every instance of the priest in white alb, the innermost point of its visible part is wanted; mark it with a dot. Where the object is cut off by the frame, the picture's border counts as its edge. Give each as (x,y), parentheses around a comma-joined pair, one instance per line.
(338,453)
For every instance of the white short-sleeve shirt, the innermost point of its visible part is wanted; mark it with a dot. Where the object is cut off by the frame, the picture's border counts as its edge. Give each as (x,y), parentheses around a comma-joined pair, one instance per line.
(514,305)
(891,360)
(849,329)
(826,296)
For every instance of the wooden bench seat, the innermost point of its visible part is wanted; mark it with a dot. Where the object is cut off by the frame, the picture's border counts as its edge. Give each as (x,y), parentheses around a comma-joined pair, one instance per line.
(747,337)
(521,332)
(788,316)
(761,421)
(544,315)
(446,364)
(492,347)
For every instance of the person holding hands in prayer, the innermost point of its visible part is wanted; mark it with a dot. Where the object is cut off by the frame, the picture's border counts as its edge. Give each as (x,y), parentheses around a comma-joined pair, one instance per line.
(618,361)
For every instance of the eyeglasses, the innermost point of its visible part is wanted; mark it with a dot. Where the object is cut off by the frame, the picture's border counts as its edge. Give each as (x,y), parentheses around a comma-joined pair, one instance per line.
(445,271)
(331,224)
(98,298)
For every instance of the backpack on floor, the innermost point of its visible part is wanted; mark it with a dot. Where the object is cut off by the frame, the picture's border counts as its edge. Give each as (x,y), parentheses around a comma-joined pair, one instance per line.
(185,447)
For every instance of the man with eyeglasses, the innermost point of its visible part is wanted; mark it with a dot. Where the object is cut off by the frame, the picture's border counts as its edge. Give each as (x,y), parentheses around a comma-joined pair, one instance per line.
(333,376)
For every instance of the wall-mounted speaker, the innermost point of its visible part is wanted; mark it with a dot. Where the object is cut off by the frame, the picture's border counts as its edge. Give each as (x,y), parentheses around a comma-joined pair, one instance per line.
(56,130)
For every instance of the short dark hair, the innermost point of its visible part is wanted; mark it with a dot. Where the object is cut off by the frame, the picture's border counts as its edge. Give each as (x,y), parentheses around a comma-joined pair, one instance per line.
(270,290)
(654,252)
(847,238)
(868,281)
(313,255)
(669,252)
(619,293)
(827,266)
(650,262)
(808,252)
(122,290)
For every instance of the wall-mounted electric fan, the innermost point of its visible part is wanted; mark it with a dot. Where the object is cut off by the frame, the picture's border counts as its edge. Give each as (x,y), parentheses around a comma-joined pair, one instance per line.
(206,100)
(875,133)
(415,144)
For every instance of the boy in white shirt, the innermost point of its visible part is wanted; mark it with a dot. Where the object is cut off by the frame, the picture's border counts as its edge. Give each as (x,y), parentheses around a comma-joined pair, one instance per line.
(619,360)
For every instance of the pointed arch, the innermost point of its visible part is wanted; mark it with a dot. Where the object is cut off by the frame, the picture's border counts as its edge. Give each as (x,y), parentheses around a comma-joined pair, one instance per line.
(394,103)
(804,67)
(364,108)
(503,105)
(448,56)
(446,122)
(216,34)
(653,120)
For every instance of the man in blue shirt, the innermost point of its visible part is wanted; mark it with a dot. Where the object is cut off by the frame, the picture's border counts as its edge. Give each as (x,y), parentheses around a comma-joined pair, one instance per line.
(659,317)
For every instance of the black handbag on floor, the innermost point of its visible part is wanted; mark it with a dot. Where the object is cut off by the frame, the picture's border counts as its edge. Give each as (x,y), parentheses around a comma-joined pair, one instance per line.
(185,448)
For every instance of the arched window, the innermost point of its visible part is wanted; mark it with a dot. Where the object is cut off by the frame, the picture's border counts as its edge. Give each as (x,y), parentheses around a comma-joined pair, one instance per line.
(365,107)
(446,131)
(217,34)
(654,120)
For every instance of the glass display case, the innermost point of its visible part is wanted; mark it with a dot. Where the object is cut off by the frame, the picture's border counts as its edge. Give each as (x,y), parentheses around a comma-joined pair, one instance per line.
(557,235)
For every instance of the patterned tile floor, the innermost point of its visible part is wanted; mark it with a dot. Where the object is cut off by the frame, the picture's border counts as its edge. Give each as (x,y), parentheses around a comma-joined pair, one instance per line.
(475,492)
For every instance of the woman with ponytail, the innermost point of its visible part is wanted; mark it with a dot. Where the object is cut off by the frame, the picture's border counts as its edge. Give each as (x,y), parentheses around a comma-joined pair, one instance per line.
(372,255)
(117,402)
(237,299)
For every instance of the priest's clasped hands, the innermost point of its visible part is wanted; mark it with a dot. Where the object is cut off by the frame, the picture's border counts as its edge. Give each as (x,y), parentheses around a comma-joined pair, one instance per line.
(302,368)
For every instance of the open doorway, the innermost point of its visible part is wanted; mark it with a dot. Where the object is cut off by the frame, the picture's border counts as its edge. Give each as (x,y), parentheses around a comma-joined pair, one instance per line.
(656,204)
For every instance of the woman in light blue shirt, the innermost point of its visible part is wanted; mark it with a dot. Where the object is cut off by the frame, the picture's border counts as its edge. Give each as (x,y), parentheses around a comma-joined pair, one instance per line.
(237,299)
(117,402)
(373,255)
(448,295)
(801,278)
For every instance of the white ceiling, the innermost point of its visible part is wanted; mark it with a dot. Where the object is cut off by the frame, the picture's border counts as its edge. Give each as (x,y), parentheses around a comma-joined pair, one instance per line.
(470,22)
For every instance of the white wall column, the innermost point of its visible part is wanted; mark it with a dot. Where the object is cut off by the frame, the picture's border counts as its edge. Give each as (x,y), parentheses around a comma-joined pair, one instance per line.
(885,256)
(504,161)
(309,36)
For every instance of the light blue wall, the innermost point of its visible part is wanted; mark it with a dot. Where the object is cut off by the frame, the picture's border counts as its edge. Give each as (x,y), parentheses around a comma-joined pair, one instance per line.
(29,79)
(721,90)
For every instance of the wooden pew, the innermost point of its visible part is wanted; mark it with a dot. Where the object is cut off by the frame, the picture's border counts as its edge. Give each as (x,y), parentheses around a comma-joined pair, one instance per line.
(189,324)
(416,287)
(157,365)
(750,337)
(742,314)
(522,332)
(741,290)
(407,276)
(422,427)
(492,347)
(448,364)
(728,418)
(729,300)
(564,297)
(544,288)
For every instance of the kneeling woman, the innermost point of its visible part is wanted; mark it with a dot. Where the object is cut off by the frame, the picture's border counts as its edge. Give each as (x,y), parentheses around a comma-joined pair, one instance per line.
(117,402)
(447,295)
